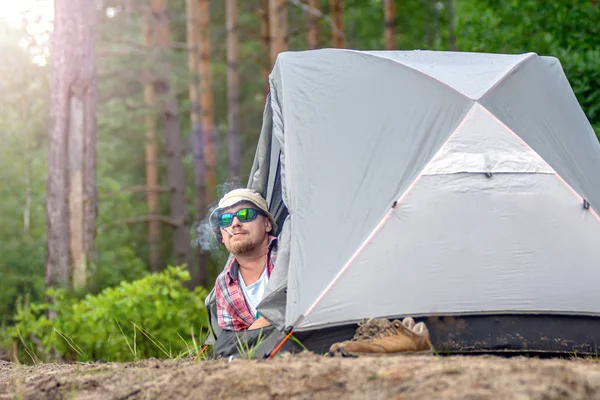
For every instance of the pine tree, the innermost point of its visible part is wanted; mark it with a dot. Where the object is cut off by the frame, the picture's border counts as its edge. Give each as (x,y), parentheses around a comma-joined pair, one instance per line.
(71,188)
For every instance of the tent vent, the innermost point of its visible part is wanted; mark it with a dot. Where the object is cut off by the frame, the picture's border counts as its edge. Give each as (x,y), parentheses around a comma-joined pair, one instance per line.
(586,204)
(488,174)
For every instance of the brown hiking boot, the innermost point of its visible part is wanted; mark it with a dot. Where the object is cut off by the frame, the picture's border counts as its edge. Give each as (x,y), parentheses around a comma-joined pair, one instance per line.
(380,336)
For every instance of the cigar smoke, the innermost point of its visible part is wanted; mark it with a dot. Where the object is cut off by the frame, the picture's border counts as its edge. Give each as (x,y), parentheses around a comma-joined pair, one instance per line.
(202,230)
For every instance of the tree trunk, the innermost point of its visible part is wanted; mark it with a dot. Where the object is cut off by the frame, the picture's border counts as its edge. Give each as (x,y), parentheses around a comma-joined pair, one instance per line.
(233,89)
(168,104)
(27,160)
(57,212)
(390,24)
(436,24)
(265,34)
(278,27)
(206,102)
(313,25)
(451,26)
(428,19)
(337,15)
(76,150)
(151,157)
(71,191)
(200,276)
(90,212)
(27,207)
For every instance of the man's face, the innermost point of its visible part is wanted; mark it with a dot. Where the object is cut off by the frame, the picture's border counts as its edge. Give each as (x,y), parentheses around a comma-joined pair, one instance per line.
(247,236)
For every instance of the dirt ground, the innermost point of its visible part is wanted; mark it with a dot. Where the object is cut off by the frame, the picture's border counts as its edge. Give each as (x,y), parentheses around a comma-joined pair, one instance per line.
(309,376)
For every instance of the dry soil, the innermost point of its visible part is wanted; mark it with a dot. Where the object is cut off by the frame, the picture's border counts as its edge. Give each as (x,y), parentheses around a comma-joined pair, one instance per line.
(309,376)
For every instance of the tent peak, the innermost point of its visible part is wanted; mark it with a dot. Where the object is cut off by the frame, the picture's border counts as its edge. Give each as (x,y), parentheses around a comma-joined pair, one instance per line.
(471,74)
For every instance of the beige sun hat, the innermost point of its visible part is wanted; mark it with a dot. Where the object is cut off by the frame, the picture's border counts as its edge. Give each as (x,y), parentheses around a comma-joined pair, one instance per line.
(237,195)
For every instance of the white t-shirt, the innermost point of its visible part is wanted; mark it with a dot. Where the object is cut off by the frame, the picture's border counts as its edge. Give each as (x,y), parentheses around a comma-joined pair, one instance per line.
(254,293)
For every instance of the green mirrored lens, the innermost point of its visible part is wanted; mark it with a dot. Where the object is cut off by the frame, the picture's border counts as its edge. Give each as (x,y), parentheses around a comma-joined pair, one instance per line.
(246,214)
(225,219)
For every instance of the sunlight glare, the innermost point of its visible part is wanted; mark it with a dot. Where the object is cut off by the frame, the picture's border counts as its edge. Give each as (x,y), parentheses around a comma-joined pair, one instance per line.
(33,12)
(33,18)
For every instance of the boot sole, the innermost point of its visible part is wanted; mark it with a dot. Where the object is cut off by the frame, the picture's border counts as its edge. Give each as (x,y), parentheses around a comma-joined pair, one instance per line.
(399,353)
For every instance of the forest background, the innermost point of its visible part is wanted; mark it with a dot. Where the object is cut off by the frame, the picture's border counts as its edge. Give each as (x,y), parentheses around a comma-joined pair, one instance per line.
(167,115)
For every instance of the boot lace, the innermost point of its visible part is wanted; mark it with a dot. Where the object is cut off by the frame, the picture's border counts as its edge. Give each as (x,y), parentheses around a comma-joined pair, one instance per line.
(373,328)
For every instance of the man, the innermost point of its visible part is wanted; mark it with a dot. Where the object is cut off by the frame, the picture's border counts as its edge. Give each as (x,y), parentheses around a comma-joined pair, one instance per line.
(244,227)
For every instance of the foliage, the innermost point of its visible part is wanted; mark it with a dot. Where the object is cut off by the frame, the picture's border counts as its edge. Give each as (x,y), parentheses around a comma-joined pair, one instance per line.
(114,267)
(420,24)
(22,175)
(22,266)
(566,29)
(155,316)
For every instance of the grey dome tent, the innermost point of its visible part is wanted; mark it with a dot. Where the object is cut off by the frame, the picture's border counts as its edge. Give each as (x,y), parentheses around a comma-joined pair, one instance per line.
(458,188)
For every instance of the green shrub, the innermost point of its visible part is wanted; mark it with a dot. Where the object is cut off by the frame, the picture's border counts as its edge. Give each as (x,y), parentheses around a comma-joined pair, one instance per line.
(113,267)
(155,316)
(21,273)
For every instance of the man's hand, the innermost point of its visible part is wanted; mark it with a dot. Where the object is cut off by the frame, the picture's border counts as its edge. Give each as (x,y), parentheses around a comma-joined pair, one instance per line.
(261,322)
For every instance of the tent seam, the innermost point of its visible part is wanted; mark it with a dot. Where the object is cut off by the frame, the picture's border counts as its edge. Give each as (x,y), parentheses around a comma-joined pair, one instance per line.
(556,174)
(410,68)
(506,75)
(384,220)
(493,173)
(283,149)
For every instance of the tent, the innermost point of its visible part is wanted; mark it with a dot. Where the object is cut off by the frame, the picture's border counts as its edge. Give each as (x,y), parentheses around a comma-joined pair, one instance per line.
(458,188)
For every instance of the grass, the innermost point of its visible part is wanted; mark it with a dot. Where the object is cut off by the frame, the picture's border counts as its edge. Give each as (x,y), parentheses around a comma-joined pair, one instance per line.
(373,376)
(246,350)
(70,342)
(132,349)
(586,357)
(200,353)
(167,352)
(130,342)
(298,342)
(595,357)
(192,349)
(31,354)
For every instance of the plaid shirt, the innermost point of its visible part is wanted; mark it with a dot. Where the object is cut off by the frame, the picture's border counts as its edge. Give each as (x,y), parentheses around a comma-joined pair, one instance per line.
(233,312)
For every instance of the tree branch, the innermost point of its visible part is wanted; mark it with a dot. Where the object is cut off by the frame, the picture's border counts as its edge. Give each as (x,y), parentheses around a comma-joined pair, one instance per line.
(135,220)
(319,14)
(121,52)
(124,41)
(130,75)
(120,93)
(130,105)
(140,189)
(180,45)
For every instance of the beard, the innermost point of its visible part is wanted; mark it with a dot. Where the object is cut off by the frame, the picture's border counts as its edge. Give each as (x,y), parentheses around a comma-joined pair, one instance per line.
(242,246)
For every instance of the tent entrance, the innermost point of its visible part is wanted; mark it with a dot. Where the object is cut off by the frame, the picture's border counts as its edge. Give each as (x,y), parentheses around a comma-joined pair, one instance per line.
(539,334)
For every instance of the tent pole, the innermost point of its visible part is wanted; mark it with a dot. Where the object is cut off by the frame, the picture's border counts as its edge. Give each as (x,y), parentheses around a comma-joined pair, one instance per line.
(201,351)
(280,345)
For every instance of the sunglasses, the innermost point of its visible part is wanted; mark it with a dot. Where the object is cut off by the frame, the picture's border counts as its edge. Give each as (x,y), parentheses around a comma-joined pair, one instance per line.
(243,215)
